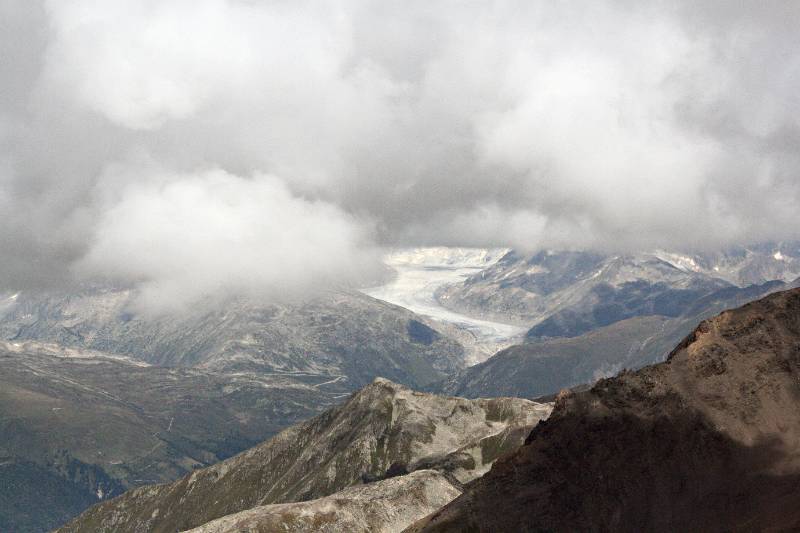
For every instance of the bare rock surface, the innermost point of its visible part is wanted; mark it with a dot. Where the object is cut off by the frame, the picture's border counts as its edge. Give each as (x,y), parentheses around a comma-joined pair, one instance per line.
(383,431)
(707,441)
(386,506)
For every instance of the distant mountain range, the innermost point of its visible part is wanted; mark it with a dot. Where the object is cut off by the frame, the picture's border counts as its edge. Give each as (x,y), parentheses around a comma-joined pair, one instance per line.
(339,337)
(545,366)
(592,315)
(566,293)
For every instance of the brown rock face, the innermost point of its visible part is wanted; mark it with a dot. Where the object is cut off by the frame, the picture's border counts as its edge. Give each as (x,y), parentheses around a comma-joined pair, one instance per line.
(707,441)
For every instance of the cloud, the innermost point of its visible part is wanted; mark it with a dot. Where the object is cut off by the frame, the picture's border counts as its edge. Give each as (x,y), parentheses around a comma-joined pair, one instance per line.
(609,125)
(187,238)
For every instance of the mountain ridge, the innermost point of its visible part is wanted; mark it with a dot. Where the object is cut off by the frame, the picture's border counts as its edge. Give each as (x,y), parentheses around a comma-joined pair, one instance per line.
(341,335)
(383,430)
(707,440)
(541,367)
(529,289)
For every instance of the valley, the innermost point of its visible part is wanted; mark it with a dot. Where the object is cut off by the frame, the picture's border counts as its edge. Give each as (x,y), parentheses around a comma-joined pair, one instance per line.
(96,399)
(418,276)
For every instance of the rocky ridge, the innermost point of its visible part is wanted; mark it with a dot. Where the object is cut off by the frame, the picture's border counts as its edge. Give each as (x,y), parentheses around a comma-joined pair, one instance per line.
(384,430)
(707,441)
(385,506)
(543,367)
(340,338)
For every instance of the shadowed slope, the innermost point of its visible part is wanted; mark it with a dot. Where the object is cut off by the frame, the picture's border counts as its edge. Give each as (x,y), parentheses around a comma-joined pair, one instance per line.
(709,440)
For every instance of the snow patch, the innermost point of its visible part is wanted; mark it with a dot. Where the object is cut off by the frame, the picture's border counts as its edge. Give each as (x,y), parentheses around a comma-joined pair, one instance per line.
(681,262)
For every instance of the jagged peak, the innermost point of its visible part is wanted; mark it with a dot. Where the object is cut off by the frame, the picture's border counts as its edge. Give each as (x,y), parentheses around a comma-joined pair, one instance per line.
(718,423)
(380,386)
(383,381)
(735,321)
(383,430)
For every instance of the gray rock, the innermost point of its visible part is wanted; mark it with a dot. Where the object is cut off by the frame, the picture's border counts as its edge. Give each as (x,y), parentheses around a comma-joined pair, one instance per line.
(387,506)
(385,428)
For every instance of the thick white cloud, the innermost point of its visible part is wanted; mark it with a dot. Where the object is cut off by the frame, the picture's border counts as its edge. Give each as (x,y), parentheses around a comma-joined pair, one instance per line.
(608,124)
(190,237)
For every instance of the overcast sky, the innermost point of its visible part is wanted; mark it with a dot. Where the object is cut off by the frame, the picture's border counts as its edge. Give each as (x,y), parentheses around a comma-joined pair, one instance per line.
(244,145)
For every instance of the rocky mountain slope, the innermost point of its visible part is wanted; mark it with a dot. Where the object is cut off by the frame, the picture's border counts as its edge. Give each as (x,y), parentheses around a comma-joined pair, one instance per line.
(567,293)
(538,368)
(77,427)
(707,441)
(744,265)
(385,506)
(97,397)
(345,337)
(382,431)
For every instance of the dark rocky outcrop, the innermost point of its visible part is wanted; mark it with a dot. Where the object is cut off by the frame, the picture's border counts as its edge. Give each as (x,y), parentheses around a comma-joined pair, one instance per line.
(707,441)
